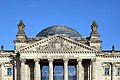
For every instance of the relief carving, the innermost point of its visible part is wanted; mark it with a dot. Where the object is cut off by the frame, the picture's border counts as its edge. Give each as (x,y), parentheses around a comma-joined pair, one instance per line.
(58,45)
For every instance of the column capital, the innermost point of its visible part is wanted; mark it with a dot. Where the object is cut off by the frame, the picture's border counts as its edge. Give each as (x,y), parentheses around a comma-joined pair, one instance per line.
(114,63)
(50,60)
(79,59)
(23,60)
(93,59)
(65,59)
(2,63)
(36,60)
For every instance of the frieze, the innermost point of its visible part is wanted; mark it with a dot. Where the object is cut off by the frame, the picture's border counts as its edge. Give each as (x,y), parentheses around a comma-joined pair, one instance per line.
(58,56)
(43,56)
(52,56)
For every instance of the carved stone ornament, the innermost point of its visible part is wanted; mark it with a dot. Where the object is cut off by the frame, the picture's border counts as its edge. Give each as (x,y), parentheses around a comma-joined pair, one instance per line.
(50,60)
(116,64)
(36,60)
(106,64)
(65,59)
(58,45)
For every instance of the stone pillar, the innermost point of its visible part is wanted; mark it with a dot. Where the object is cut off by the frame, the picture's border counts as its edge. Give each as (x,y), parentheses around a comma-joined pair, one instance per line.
(77,72)
(79,69)
(90,72)
(15,73)
(23,69)
(113,71)
(37,71)
(2,71)
(65,69)
(93,69)
(50,69)
(26,72)
(18,69)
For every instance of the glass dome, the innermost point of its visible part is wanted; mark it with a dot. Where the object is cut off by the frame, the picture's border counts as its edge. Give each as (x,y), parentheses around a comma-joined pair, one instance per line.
(58,29)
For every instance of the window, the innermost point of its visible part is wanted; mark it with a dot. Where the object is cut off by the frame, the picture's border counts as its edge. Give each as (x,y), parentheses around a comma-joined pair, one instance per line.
(118,71)
(9,71)
(106,71)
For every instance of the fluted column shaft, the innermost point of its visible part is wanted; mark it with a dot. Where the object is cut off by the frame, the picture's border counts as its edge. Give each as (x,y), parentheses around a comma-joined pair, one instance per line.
(65,69)
(50,69)
(37,71)
(23,69)
(79,69)
(93,69)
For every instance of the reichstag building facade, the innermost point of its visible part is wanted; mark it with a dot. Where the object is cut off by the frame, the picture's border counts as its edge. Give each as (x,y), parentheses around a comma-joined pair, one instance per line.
(59,53)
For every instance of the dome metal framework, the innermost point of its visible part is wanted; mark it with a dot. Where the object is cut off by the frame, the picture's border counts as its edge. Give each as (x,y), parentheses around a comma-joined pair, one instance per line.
(58,29)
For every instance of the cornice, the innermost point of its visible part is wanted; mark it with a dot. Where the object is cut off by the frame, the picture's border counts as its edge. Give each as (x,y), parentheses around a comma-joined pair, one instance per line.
(58,52)
(4,55)
(108,55)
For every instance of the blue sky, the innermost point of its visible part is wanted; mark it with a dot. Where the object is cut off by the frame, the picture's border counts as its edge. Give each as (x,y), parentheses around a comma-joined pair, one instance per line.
(77,14)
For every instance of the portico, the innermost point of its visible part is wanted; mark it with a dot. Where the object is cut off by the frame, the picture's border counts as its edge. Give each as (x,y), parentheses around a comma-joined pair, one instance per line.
(83,70)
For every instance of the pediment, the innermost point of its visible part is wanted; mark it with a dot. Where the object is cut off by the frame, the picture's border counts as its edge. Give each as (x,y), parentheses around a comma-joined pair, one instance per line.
(57,44)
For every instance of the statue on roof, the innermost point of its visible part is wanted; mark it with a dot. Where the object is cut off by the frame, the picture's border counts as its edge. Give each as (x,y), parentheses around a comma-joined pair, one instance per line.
(21,36)
(94,27)
(21,27)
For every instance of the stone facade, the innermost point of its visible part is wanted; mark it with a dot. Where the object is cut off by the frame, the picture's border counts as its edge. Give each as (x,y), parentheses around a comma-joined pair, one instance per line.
(59,45)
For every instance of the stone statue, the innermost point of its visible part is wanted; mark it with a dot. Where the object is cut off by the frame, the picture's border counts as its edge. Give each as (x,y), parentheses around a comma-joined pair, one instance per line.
(2,47)
(113,48)
(21,27)
(94,27)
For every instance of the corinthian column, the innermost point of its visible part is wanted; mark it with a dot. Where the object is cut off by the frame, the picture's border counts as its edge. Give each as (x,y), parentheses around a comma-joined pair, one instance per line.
(79,69)
(23,69)
(50,69)
(37,71)
(65,69)
(93,69)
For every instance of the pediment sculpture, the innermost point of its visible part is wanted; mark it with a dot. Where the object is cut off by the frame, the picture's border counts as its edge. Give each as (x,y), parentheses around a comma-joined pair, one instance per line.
(58,45)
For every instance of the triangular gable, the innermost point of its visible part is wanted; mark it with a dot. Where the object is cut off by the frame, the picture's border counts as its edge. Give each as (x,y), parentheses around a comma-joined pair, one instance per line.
(57,43)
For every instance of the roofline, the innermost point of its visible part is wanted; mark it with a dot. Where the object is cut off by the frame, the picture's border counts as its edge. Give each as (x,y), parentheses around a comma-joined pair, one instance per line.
(9,51)
(110,50)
